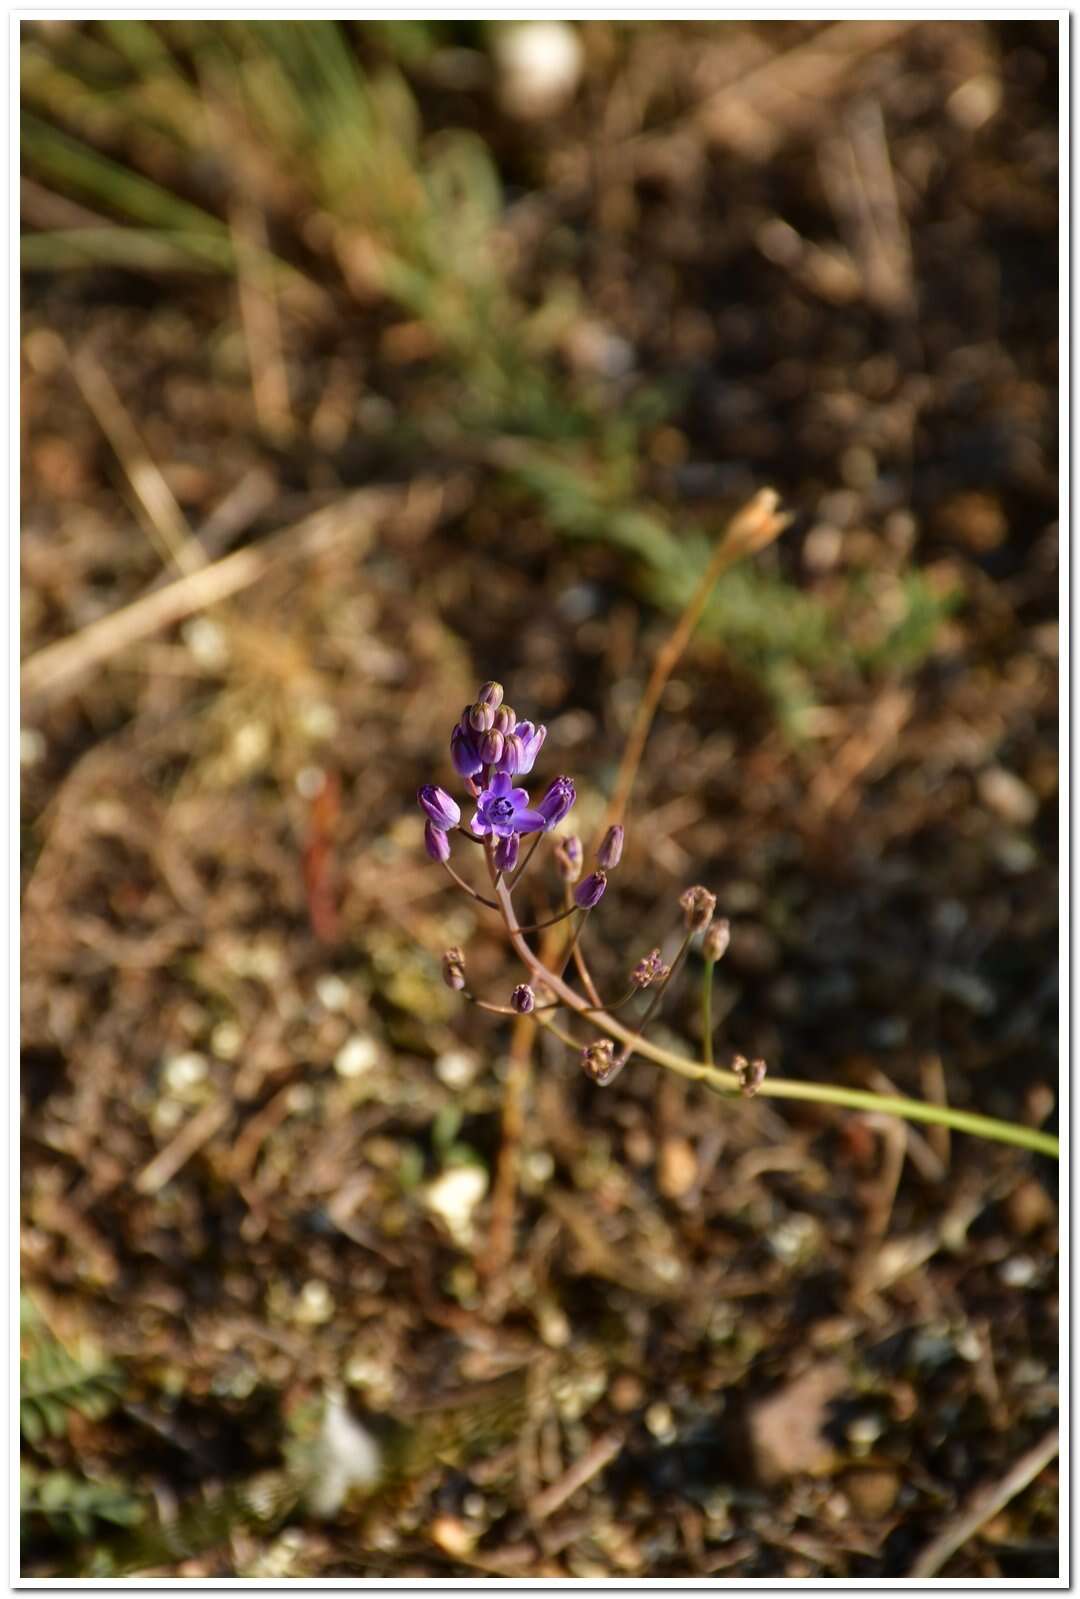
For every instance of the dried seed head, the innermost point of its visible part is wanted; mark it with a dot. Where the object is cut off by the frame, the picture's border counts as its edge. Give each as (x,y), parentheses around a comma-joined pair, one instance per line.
(523,999)
(751,1074)
(650,969)
(453,969)
(609,854)
(714,944)
(597,1059)
(698,905)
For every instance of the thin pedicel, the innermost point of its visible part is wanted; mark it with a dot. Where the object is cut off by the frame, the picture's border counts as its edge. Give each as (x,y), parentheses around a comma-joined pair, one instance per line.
(492,752)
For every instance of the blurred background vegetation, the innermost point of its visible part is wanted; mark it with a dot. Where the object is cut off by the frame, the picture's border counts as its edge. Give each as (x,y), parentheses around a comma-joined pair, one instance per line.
(472,336)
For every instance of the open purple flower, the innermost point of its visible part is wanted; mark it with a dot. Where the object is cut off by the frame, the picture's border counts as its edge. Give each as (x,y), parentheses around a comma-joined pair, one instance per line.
(521,748)
(502,810)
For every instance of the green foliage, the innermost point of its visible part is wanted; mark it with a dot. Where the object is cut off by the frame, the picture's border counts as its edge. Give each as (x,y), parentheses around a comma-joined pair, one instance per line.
(54,1382)
(72,1507)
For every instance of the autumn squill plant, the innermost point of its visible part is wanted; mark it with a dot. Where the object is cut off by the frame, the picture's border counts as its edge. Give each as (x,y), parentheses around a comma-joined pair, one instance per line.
(494,753)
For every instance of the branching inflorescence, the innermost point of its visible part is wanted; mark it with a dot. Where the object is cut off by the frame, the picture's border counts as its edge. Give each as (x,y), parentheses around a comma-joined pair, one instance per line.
(492,751)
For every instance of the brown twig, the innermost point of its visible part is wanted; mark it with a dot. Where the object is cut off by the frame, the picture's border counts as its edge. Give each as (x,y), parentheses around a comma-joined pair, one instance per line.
(757,524)
(592,1462)
(57,668)
(986,1503)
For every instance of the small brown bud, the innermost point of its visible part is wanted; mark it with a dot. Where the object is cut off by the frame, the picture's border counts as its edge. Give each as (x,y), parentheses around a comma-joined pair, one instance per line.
(453,969)
(714,944)
(597,1059)
(698,905)
(751,1074)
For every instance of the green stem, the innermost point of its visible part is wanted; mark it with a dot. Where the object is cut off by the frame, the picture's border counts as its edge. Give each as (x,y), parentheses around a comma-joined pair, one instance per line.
(706,1012)
(722,1082)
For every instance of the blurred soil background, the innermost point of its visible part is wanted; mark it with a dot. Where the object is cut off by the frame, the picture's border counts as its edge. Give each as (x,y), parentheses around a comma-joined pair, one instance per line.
(462,345)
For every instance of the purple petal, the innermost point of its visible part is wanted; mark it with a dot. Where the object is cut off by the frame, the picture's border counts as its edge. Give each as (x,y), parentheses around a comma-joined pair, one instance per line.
(519,798)
(529,821)
(479,825)
(500,785)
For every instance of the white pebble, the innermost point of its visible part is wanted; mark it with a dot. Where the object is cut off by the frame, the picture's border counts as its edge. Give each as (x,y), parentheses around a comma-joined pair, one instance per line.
(454,1196)
(457,1067)
(332,991)
(356,1056)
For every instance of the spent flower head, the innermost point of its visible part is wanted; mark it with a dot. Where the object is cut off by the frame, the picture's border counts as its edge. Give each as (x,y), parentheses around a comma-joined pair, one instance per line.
(698,905)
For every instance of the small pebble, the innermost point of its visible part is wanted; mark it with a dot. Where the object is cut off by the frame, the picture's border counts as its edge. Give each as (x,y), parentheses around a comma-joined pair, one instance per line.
(457,1068)
(356,1056)
(676,1168)
(626,1393)
(184,1072)
(660,1422)
(1008,796)
(1019,1271)
(872,1491)
(1029,1207)
(454,1196)
(332,991)
(315,1304)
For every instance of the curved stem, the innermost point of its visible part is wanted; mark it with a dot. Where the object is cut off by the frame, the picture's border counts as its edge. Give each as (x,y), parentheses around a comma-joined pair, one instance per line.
(461,883)
(537,927)
(724,1082)
(520,873)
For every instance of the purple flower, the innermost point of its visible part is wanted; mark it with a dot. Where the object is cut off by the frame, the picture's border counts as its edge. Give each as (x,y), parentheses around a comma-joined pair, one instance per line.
(506,852)
(568,858)
(502,810)
(521,749)
(464,751)
(440,808)
(436,842)
(557,801)
(590,891)
(491,746)
(523,999)
(491,694)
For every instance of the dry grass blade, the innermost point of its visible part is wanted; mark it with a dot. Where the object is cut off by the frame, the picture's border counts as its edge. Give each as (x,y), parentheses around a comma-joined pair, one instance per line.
(985,1504)
(59,667)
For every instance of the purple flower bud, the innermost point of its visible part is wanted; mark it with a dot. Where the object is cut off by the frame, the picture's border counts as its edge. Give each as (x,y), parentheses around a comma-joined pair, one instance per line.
(464,752)
(491,746)
(609,854)
(568,858)
(436,842)
(590,891)
(453,969)
(491,694)
(440,808)
(506,852)
(480,717)
(698,905)
(523,999)
(557,802)
(505,719)
(714,944)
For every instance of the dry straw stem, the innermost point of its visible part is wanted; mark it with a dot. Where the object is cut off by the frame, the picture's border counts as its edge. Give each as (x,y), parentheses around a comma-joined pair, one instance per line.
(58,668)
(986,1503)
(756,525)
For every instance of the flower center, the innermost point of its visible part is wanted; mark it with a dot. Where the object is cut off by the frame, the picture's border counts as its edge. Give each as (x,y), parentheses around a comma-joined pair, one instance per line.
(501,810)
